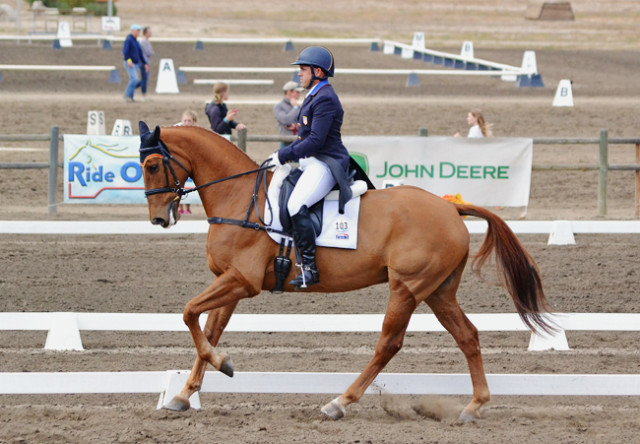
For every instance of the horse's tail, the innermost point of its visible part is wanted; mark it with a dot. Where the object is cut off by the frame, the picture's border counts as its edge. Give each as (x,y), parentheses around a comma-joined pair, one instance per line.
(516,268)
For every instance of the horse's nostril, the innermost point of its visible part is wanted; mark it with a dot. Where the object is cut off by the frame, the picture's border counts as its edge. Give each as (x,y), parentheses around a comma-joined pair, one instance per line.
(157,221)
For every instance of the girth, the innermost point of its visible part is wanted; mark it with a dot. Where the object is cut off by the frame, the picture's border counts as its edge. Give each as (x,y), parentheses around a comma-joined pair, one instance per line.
(244,224)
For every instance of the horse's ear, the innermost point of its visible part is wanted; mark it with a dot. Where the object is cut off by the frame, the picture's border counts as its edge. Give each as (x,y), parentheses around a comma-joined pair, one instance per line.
(148,138)
(143,127)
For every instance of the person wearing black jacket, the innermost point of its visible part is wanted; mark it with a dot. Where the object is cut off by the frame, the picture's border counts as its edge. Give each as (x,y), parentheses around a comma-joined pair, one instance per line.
(221,119)
(324,160)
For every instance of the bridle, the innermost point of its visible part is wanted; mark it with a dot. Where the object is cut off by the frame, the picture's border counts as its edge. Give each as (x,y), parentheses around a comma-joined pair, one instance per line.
(161,151)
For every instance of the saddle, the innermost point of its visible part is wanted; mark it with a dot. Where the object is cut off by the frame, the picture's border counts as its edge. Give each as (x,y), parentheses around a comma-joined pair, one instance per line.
(341,227)
(358,188)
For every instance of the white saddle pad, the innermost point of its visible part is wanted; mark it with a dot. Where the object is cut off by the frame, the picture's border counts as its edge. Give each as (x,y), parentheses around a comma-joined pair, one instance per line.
(338,230)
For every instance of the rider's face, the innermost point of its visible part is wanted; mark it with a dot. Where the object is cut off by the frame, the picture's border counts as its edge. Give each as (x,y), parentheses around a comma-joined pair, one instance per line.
(305,76)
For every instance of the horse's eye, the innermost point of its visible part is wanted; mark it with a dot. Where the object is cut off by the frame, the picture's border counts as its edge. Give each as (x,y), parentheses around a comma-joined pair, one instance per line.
(153,168)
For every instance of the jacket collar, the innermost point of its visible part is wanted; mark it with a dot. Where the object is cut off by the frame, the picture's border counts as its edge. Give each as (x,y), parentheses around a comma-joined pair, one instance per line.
(313,91)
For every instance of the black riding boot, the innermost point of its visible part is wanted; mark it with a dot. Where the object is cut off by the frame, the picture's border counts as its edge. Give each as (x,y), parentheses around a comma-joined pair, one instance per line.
(305,239)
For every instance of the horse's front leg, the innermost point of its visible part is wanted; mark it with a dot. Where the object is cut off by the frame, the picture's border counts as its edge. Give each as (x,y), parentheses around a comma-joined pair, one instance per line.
(226,290)
(217,320)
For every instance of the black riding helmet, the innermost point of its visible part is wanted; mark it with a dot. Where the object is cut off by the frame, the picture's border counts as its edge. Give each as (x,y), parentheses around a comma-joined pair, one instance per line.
(317,56)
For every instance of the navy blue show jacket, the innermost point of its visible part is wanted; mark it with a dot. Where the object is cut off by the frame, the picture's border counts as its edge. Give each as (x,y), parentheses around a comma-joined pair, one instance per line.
(319,124)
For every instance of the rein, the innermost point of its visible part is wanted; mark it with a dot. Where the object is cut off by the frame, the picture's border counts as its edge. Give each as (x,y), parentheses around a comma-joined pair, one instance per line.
(161,150)
(261,178)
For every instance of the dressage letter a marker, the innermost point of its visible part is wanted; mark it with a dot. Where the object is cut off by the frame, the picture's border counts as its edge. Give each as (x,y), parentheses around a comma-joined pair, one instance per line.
(167,81)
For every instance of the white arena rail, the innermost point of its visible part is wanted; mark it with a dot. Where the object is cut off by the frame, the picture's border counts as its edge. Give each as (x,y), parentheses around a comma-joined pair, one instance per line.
(560,231)
(319,383)
(234,81)
(64,327)
(218,40)
(169,383)
(114,75)
(56,68)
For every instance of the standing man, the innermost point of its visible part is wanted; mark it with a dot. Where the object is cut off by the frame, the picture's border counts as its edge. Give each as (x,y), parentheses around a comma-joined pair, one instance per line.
(147,51)
(286,110)
(133,61)
(323,158)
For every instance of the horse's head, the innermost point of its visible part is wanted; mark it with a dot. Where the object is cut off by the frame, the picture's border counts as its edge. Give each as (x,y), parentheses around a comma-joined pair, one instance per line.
(164,176)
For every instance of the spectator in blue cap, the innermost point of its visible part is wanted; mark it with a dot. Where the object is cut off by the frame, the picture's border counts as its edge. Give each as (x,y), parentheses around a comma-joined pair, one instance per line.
(134,60)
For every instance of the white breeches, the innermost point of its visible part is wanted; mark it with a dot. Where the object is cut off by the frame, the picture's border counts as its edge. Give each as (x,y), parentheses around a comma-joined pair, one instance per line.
(315,182)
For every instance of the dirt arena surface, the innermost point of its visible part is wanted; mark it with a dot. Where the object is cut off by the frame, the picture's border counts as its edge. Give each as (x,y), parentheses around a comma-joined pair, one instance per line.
(132,273)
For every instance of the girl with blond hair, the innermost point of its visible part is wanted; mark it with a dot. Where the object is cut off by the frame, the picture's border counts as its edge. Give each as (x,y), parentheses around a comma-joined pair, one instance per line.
(221,119)
(479,128)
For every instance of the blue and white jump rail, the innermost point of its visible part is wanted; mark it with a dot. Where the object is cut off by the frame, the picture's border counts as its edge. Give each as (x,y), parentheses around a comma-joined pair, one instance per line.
(525,75)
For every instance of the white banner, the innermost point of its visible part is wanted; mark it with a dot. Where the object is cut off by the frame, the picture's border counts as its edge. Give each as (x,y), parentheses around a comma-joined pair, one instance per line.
(487,172)
(493,171)
(106,169)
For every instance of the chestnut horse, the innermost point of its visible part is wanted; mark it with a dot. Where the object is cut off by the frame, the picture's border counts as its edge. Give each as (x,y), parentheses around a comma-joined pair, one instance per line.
(408,237)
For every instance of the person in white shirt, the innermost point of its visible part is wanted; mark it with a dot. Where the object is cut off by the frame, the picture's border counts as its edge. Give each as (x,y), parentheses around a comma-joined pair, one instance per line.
(478,126)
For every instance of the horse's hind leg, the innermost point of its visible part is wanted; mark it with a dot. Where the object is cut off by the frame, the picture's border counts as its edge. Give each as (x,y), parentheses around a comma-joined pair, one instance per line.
(217,320)
(445,306)
(399,310)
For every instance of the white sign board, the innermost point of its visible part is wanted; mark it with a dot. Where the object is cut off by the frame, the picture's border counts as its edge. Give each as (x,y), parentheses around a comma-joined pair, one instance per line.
(493,171)
(110,24)
(64,35)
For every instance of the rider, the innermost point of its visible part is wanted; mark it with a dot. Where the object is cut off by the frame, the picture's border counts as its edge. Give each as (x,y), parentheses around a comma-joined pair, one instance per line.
(324,160)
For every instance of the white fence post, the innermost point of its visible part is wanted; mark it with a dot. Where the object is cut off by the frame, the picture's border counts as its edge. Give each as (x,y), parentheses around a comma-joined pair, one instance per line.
(544,342)
(561,233)
(63,333)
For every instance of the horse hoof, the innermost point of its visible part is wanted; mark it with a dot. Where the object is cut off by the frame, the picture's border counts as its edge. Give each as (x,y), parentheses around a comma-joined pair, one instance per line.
(334,410)
(466,417)
(177,405)
(227,366)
